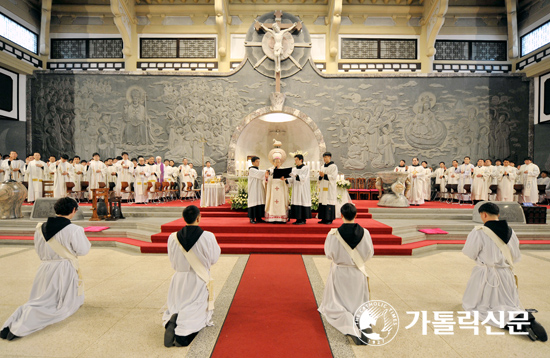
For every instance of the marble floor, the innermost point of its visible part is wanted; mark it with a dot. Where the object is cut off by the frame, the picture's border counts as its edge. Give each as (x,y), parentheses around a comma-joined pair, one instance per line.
(126,292)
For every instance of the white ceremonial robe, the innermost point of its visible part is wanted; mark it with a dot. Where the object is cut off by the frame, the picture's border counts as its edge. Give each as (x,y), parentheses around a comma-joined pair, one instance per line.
(9,165)
(427,184)
(401,169)
(492,179)
(301,187)
(479,186)
(50,171)
(60,180)
(26,173)
(188,295)
(492,286)
(347,287)
(530,189)
(452,175)
(140,183)
(465,177)
(416,194)
(111,174)
(152,179)
(36,176)
(54,294)
(328,194)
(256,187)
(506,181)
(185,178)
(276,199)
(94,177)
(124,175)
(440,179)
(78,178)
(170,174)
(207,174)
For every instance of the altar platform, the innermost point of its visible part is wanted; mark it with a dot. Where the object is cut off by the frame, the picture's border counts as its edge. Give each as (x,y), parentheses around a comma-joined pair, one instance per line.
(394,231)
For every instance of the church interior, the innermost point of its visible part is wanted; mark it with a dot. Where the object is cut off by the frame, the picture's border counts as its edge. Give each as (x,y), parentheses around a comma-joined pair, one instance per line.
(226,82)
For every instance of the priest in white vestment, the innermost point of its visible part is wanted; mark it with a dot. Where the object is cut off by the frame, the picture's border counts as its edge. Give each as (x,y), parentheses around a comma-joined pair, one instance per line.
(50,170)
(153,178)
(465,178)
(440,175)
(256,191)
(125,173)
(492,180)
(328,175)
(492,286)
(481,175)
(78,173)
(141,180)
(36,176)
(416,178)
(62,176)
(193,174)
(427,181)
(452,174)
(190,305)
(208,173)
(57,290)
(347,285)
(530,172)
(96,171)
(185,178)
(276,195)
(13,167)
(300,202)
(506,181)
(402,167)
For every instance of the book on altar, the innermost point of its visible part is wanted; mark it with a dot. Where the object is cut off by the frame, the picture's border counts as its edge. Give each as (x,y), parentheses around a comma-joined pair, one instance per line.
(282,172)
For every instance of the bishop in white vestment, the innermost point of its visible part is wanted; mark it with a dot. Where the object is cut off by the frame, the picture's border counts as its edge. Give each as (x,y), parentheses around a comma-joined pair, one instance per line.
(57,290)
(276,196)
(300,202)
(256,192)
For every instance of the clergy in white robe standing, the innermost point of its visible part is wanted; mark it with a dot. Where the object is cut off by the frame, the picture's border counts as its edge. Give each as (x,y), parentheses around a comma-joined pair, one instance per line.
(452,175)
(96,171)
(492,180)
(141,179)
(169,172)
(492,286)
(347,285)
(190,305)
(506,181)
(481,175)
(62,176)
(300,202)
(193,174)
(530,173)
(544,180)
(78,173)
(36,176)
(50,170)
(427,181)
(111,174)
(13,167)
(276,195)
(153,179)
(416,178)
(256,192)
(402,167)
(465,178)
(440,175)
(328,176)
(57,290)
(208,173)
(185,178)
(125,173)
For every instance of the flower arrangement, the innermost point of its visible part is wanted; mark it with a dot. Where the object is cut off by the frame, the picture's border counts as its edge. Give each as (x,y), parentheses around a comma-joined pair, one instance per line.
(240,201)
(343,183)
(314,197)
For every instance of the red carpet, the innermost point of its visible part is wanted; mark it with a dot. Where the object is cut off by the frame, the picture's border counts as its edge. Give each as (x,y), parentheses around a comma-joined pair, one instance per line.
(274,313)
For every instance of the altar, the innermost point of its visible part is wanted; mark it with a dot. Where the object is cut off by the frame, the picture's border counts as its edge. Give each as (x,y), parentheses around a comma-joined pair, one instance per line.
(212,194)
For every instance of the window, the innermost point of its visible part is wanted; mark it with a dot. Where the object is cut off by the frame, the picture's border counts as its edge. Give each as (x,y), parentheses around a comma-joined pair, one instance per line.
(364,48)
(86,48)
(178,48)
(18,34)
(535,39)
(471,50)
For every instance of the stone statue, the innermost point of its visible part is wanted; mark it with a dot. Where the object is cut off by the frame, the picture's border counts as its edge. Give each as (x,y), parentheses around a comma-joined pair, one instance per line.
(12,196)
(278,37)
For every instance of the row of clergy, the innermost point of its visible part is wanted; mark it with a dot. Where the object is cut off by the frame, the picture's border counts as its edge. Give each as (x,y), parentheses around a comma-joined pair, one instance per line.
(35,171)
(481,176)
(268,193)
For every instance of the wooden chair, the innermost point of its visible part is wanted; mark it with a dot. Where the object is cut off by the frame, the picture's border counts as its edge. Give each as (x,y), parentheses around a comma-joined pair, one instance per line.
(70,193)
(125,188)
(353,194)
(83,191)
(47,188)
(452,190)
(518,190)
(174,191)
(362,184)
(467,191)
(157,191)
(102,185)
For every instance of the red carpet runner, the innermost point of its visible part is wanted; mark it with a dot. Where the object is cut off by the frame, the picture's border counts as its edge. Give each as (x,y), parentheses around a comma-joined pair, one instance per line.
(273,313)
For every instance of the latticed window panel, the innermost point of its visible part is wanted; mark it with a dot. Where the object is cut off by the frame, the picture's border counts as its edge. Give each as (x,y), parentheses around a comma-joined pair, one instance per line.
(359,48)
(535,39)
(105,48)
(489,51)
(398,49)
(68,48)
(18,34)
(159,48)
(197,48)
(452,50)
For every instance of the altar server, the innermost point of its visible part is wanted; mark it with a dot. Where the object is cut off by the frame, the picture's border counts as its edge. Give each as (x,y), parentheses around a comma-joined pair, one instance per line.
(36,176)
(57,291)
(347,286)
(402,167)
(492,287)
(465,178)
(328,176)
(142,175)
(125,173)
(481,175)
(190,305)
(62,176)
(416,177)
(13,167)
(300,203)
(185,179)
(256,192)
(96,172)
(208,172)
(506,181)
(530,173)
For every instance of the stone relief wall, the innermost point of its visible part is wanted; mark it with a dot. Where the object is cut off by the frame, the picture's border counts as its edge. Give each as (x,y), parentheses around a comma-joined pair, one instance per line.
(368,123)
